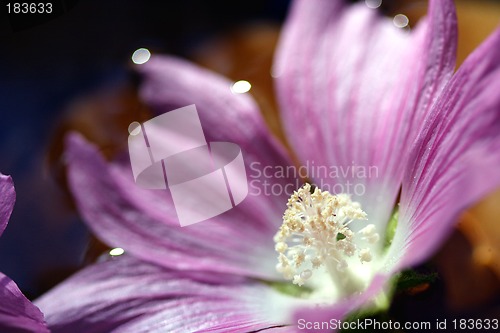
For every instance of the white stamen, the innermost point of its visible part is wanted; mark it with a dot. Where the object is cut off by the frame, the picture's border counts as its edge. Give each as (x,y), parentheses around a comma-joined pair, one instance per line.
(369,234)
(365,255)
(298,280)
(315,233)
(280,247)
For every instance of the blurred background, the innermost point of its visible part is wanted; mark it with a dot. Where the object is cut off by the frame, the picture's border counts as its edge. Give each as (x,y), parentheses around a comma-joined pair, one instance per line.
(74,73)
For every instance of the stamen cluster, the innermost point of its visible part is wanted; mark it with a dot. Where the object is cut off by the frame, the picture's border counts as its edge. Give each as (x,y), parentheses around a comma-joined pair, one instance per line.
(315,233)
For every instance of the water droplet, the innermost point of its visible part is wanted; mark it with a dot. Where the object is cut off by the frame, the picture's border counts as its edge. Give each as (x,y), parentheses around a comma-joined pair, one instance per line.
(117,251)
(373,3)
(134,128)
(141,56)
(241,87)
(401,21)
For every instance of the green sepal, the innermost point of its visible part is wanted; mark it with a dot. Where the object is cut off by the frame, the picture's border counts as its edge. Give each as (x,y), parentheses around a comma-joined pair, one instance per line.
(391,227)
(410,279)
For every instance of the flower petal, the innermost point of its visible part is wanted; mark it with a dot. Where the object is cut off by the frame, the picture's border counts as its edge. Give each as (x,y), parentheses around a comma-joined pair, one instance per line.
(354,89)
(7,200)
(170,83)
(143,221)
(455,160)
(17,314)
(128,295)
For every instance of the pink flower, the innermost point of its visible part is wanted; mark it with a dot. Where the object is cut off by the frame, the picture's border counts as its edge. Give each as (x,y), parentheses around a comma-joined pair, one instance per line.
(355,92)
(17,314)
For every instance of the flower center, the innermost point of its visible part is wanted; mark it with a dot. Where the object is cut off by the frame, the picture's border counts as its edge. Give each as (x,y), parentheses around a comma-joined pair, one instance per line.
(315,233)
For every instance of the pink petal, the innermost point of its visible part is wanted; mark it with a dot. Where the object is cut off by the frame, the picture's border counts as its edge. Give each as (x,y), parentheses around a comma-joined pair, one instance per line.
(143,221)
(456,159)
(17,314)
(170,83)
(354,89)
(7,200)
(128,295)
